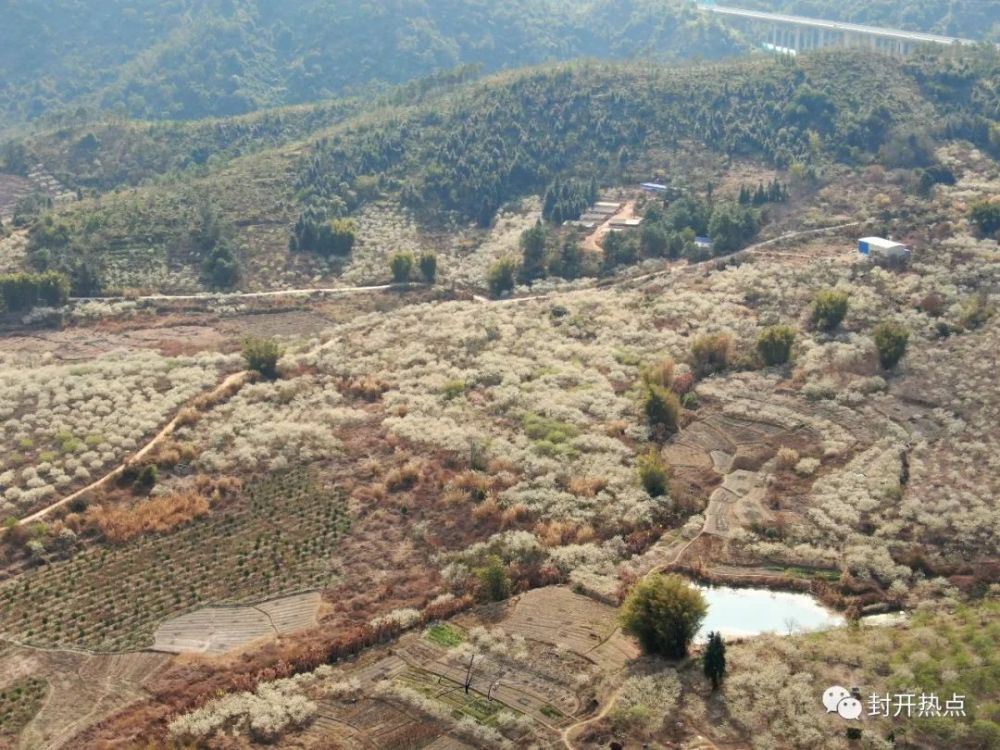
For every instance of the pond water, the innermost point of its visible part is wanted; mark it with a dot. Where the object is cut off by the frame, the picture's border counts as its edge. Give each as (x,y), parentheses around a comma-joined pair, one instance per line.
(745,612)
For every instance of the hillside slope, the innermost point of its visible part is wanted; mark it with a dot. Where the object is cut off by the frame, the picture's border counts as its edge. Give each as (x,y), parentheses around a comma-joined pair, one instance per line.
(468,150)
(185,60)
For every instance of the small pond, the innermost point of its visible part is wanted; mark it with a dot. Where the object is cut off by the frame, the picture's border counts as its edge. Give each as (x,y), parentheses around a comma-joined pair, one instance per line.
(745,612)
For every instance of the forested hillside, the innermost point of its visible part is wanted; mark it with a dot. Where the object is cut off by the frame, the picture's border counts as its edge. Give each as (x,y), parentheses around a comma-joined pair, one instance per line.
(182,59)
(973,19)
(465,150)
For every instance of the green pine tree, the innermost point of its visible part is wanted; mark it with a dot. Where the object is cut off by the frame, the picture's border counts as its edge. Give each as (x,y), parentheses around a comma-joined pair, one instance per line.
(715,659)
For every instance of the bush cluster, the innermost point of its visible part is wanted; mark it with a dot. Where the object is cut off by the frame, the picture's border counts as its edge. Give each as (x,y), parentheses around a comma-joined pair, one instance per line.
(23,291)
(829,309)
(775,344)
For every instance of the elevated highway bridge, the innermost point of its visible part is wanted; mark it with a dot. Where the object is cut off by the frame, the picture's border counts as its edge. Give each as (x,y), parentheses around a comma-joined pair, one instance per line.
(798,33)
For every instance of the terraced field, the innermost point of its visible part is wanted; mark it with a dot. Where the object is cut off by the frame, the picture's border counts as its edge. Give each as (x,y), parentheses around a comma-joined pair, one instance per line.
(215,630)
(533,664)
(279,539)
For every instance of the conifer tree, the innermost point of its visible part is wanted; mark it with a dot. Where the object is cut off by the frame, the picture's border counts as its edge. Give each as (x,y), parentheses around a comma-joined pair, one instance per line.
(715,659)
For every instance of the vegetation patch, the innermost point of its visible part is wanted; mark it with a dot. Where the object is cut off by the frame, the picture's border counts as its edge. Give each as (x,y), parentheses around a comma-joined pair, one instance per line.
(550,436)
(19,702)
(445,635)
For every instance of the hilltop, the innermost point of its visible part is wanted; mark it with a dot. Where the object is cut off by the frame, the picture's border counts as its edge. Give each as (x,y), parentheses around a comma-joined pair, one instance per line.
(183,60)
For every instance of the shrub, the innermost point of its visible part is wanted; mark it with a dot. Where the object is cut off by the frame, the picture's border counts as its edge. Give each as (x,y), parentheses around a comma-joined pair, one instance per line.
(662,409)
(683,383)
(775,344)
(314,234)
(829,309)
(986,216)
(494,583)
(147,479)
(262,355)
(428,267)
(653,473)
(710,354)
(402,266)
(501,276)
(932,304)
(550,436)
(975,312)
(661,373)
(21,292)
(664,614)
(890,340)
(787,457)
(806,467)
(454,389)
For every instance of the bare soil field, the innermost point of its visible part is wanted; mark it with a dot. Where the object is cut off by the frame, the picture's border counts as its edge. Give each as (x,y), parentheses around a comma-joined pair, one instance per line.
(82,344)
(216,630)
(82,689)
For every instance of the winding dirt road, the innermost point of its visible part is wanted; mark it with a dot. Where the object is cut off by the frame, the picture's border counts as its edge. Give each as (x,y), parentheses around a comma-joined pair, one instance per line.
(567,734)
(236,379)
(599,284)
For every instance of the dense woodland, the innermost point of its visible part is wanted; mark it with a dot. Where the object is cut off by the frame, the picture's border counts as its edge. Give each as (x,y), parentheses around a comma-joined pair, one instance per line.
(182,59)
(463,150)
(511,137)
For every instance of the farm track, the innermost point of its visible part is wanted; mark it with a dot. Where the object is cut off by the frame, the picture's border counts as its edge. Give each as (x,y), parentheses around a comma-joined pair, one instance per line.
(598,284)
(567,733)
(237,379)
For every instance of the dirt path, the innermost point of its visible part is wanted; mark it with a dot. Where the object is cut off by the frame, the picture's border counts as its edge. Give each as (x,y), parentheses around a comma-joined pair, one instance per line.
(626,212)
(567,734)
(670,270)
(239,378)
(234,296)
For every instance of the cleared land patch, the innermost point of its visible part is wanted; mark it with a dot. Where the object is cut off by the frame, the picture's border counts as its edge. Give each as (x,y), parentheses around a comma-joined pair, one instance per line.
(215,630)
(70,691)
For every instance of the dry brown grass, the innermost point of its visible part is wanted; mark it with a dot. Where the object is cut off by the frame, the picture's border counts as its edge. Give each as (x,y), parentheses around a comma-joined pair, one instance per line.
(403,477)
(188,416)
(367,387)
(206,401)
(514,516)
(488,510)
(559,533)
(157,515)
(171,452)
(587,486)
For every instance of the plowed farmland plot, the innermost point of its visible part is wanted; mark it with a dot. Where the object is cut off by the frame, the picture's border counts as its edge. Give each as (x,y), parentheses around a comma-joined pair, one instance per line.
(361,725)
(215,630)
(279,538)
